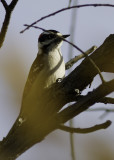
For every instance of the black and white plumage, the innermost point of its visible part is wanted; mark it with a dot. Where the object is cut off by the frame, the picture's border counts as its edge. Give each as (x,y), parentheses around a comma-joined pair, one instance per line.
(48,66)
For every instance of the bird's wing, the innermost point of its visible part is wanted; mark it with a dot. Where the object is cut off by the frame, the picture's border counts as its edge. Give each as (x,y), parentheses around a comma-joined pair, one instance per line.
(36,67)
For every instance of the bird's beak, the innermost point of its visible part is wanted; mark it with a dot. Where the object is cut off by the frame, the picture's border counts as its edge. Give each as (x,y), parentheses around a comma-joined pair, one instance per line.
(65,36)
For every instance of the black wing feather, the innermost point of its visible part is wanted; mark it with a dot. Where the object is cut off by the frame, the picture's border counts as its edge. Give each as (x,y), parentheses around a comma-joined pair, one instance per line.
(33,73)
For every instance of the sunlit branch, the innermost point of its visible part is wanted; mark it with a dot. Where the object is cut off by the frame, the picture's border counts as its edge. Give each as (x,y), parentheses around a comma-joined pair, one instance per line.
(93,63)
(70,63)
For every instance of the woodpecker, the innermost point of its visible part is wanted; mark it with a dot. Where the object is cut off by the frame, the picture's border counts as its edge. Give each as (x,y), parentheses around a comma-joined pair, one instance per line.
(48,66)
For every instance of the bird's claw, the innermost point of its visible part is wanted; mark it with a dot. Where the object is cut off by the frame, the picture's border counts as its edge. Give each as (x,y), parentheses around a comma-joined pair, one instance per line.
(59,80)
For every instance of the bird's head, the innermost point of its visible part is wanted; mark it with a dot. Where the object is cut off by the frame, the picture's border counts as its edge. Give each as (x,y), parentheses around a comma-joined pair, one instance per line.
(50,40)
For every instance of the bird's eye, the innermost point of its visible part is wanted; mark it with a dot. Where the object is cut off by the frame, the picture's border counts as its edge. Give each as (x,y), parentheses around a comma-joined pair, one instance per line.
(42,38)
(50,36)
(45,37)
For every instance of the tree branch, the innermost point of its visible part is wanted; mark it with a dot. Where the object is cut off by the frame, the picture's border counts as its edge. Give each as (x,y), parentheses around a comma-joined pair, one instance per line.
(4,4)
(86,130)
(86,102)
(70,63)
(9,9)
(89,58)
(83,74)
(13,4)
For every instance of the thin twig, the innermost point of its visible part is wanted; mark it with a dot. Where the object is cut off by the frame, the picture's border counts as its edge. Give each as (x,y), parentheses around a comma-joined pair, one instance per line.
(64,9)
(70,63)
(76,47)
(86,130)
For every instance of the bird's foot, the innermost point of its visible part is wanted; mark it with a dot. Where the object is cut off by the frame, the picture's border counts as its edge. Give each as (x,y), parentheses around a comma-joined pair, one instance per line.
(59,80)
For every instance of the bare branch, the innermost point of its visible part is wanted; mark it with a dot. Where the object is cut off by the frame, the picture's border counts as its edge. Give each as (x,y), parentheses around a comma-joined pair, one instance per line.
(4,28)
(85,102)
(86,130)
(70,63)
(4,4)
(13,4)
(64,9)
(9,10)
(103,57)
